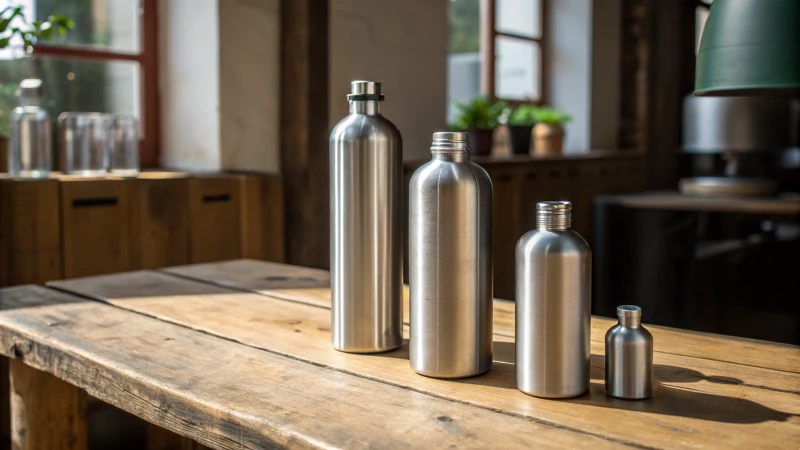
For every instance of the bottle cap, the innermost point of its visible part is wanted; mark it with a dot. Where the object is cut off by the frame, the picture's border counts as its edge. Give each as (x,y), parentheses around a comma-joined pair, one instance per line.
(554,206)
(629,311)
(30,87)
(365,90)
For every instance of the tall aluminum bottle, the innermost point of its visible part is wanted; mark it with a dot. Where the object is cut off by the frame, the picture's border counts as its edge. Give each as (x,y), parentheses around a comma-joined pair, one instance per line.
(554,273)
(366,226)
(450,263)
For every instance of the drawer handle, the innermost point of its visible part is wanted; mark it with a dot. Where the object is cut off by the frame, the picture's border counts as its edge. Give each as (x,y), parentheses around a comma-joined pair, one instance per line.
(221,198)
(91,202)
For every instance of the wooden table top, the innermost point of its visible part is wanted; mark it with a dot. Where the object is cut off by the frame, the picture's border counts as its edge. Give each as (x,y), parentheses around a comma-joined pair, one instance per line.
(238,355)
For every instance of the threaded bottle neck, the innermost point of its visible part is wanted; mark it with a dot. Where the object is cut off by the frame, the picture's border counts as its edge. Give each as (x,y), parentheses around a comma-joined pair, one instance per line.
(554,216)
(629,315)
(450,143)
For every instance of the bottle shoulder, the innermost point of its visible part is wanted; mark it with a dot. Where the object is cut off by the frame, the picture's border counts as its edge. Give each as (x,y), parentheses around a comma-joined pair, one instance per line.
(450,172)
(561,241)
(362,126)
(633,335)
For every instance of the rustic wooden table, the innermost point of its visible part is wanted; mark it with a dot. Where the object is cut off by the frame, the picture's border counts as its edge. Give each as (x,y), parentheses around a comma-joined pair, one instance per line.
(238,355)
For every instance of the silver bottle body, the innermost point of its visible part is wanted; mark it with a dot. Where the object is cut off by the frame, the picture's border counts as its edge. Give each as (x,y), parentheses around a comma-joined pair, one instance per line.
(553,313)
(366,231)
(450,279)
(629,360)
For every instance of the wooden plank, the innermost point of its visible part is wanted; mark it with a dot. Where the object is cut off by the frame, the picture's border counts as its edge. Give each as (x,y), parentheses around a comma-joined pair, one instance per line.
(215,218)
(97,226)
(30,231)
(691,408)
(305,129)
(161,230)
(789,205)
(275,240)
(46,413)
(253,276)
(229,396)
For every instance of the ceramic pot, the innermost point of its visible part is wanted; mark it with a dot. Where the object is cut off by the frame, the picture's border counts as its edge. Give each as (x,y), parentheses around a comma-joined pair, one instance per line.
(481,141)
(549,139)
(520,139)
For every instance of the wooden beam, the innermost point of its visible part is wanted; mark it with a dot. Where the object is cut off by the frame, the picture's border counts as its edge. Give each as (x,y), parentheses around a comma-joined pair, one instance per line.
(304,130)
(46,413)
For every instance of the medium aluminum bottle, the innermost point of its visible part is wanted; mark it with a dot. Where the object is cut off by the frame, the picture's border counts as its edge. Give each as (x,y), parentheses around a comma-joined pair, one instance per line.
(366,226)
(629,356)
(450,264)
(554,265)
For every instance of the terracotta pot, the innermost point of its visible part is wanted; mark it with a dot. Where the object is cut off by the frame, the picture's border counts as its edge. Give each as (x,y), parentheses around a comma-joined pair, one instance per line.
(520,137)
(3,153)
(549,139)
(481,141)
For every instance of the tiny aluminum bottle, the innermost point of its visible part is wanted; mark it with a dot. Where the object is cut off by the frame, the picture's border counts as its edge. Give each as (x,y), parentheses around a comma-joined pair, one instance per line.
(450,264)
(553,306)
(366,176)
(629,356)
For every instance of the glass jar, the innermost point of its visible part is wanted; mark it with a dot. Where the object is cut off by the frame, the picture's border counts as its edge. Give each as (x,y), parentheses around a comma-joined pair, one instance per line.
(30,144)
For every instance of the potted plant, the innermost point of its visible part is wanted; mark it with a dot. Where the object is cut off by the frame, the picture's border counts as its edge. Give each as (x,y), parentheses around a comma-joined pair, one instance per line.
(479,117)
(548,133)
(520,127)
(14,24)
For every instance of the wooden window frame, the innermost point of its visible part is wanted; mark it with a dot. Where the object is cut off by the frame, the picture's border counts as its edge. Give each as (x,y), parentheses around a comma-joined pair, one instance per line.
(488,38)
(147,57)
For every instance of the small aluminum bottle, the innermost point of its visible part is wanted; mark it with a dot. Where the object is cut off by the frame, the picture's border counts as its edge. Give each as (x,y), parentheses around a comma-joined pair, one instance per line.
(450,262)
(629,356)
(366,179)
(554,276)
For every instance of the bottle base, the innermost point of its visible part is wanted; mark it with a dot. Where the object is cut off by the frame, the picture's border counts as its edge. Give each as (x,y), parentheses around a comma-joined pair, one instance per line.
(628,398)
(554,396)
(453,377)
(367,351)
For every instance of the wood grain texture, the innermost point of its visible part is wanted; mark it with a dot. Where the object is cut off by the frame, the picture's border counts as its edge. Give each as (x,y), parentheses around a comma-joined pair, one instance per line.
(215,204)
(258,277)
(46,413)
(229,396)
(30,237)
(97,226)
(161,221)
(253,242)
(695,405)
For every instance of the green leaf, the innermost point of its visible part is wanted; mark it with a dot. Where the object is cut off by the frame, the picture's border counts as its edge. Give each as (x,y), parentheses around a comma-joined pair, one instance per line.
(4,42)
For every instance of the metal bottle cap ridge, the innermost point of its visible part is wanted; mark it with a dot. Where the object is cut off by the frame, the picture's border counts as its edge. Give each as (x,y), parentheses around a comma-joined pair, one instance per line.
(365,90)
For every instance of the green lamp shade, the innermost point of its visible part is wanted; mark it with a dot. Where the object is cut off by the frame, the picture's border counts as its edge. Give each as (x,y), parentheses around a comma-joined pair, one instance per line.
(750,48)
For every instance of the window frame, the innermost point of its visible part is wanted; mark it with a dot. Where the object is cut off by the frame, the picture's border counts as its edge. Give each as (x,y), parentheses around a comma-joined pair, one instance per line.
(147,57)
(488,42)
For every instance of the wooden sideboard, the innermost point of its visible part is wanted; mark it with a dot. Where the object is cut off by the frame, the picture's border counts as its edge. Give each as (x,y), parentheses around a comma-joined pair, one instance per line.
(522,181)
(66,227)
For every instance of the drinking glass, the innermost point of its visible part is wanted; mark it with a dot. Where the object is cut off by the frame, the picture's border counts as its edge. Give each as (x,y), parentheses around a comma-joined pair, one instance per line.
(86,140)
(125,146)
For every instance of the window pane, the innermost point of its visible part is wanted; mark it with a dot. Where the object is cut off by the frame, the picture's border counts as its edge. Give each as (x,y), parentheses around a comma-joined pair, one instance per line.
(521,17)
(464,60)
(75,84)
(107,24)
(517,69)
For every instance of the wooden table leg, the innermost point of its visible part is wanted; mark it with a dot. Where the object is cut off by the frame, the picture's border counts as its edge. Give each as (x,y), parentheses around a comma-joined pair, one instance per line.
(46,413)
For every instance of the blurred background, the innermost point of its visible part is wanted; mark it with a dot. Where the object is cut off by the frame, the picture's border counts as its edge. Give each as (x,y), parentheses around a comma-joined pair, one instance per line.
(690,203)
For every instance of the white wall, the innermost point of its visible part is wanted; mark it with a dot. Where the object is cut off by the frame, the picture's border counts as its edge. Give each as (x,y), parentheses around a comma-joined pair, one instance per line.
(220,69)
(190,134)
(403,44)
(250,84)
(583,70)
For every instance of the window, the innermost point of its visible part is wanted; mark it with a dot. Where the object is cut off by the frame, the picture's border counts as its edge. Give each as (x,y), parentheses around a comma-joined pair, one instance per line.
(108,63)
(495,49)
